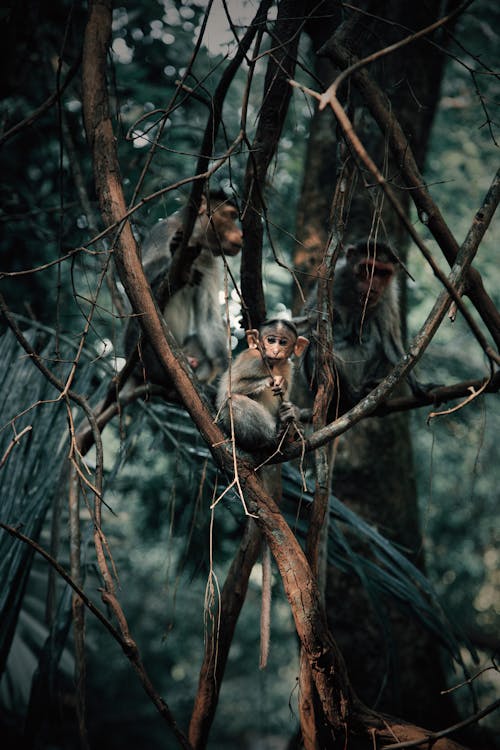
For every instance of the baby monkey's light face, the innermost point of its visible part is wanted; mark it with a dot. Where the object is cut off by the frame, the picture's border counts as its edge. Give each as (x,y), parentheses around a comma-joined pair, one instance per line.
(277,343)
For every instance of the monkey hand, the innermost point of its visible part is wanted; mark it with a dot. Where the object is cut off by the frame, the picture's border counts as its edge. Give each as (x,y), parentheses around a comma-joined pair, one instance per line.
(289,422)
(288,413)
(277,385)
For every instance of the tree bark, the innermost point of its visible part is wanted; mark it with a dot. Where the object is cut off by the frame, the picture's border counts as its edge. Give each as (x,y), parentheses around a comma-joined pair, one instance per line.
(276,98)
(398,668)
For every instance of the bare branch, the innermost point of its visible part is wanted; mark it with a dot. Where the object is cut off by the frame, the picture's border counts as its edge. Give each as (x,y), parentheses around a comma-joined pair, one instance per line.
(183,258)
(428,211)
(430,739)
(47,104)
(272,116)
(417,347)
(215,658)
(346,125)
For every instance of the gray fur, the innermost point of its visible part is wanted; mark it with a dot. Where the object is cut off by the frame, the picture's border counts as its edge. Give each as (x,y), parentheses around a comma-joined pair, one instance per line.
(193,312)
(367,339)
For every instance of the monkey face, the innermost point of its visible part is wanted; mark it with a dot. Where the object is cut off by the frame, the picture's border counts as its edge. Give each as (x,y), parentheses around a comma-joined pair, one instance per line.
(277,340)
(277,345)
(372,279)
(373,266)
(223,233)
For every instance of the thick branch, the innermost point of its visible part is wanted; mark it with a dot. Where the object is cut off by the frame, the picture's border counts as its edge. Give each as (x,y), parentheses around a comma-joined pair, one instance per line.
(185,255)
(438,396)
(218,643)
(272,116)
(341,709)
(327,666)
(108,184)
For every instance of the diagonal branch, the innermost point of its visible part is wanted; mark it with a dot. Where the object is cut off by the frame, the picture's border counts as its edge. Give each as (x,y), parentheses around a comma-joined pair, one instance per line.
(326,663)
(420,341)
(185,255)
(329,97)
(342,711)
(427,209)
(218,643)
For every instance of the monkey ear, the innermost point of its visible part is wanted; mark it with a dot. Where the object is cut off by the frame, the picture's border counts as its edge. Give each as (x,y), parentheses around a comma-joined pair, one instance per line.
(300,345)
(252,335)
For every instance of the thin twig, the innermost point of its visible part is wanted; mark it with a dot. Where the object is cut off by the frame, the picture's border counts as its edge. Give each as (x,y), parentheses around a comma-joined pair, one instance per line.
(431,737)
(15,440)
(360,150)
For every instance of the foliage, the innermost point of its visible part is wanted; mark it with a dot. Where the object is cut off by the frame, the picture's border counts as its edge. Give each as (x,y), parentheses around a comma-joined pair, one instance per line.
(459,535)
(158,480)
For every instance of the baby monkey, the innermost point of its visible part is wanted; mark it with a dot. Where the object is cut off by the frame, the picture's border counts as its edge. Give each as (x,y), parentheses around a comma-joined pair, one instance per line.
(258,386)
(255,393)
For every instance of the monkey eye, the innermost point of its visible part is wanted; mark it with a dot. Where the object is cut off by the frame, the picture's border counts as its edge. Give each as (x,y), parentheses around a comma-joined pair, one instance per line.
(369,269)
(275,340)
(363,269)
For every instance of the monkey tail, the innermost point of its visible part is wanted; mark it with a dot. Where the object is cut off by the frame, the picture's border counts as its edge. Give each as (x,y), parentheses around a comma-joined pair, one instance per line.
(265,611)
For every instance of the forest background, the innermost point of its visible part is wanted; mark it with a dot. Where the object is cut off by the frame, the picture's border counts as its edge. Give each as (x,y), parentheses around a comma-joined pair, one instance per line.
(159,477)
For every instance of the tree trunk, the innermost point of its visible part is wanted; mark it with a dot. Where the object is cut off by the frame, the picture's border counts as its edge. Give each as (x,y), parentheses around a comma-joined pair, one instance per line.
(397,670)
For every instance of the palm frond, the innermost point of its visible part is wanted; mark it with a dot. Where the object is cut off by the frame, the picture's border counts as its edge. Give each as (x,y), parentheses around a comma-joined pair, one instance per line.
(32,471)
(383,569)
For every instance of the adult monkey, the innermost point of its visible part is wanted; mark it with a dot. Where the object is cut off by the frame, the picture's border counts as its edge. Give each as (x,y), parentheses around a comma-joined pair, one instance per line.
(192,312)
(366,322)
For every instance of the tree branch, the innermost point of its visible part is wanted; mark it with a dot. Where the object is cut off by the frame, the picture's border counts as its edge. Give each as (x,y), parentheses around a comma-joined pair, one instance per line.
(272,116)
(218,643)
(342,710)
(329,97)
(185,255)
(415,350)
(428,211)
